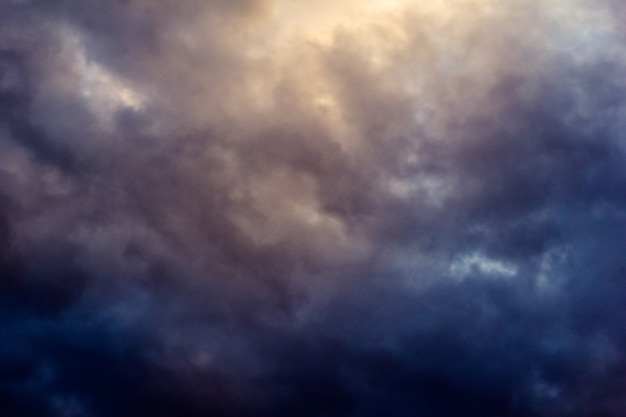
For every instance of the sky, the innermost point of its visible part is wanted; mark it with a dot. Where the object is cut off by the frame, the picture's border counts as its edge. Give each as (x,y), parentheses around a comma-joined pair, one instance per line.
(297,208)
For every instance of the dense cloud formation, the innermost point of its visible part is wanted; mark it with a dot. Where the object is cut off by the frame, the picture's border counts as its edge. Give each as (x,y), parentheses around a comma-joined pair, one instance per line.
(313,209)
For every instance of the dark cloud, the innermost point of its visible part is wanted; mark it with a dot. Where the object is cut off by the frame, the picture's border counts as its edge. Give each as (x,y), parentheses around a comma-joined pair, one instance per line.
(262,208)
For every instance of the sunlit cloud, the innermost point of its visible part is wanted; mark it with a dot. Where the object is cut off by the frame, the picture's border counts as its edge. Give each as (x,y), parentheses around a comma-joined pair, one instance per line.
(294,208)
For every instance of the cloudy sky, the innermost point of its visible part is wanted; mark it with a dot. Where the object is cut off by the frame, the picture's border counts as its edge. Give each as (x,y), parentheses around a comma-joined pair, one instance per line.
(298,208)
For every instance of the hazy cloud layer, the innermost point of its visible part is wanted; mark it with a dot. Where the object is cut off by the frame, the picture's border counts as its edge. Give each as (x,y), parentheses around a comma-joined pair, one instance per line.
(287,208)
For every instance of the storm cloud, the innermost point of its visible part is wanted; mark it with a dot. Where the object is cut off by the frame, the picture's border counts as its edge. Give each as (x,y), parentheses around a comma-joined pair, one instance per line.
(290,208)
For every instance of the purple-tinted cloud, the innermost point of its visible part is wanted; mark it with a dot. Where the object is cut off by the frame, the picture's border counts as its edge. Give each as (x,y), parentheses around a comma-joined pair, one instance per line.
(271,208)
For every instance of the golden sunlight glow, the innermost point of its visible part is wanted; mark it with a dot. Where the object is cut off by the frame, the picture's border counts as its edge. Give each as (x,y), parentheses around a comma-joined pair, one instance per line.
(319,22)
(358,74)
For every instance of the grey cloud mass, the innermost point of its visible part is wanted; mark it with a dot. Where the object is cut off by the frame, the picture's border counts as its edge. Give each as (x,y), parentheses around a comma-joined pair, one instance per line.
(287,208)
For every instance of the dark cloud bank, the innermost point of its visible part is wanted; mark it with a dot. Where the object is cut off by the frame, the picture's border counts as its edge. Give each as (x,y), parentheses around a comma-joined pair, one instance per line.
(424,216)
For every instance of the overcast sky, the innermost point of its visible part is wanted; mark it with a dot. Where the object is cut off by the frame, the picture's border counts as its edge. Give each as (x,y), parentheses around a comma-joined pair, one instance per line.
(298,208)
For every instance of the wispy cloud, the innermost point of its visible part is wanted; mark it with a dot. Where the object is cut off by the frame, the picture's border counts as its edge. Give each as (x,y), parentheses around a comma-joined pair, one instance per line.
(335,209)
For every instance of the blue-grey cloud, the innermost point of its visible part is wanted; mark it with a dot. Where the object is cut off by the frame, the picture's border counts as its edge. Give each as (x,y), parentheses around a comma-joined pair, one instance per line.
(276,209)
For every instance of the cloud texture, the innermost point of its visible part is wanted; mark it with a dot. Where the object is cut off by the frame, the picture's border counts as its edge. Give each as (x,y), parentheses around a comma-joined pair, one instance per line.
(313,209)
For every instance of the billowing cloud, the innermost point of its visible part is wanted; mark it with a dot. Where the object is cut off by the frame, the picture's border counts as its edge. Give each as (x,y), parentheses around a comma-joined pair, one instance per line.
(290,208)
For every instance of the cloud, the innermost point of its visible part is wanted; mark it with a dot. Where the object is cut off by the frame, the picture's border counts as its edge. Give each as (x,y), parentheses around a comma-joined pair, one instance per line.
(276,208)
